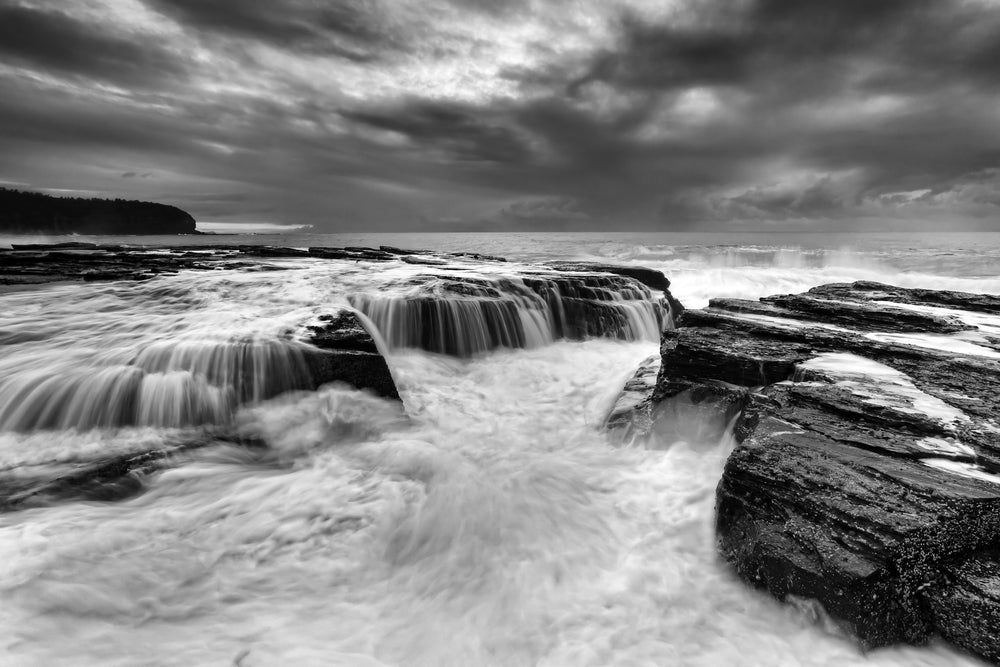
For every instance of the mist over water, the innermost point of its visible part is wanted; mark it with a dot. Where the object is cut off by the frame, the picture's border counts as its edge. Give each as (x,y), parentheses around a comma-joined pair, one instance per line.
(493,524)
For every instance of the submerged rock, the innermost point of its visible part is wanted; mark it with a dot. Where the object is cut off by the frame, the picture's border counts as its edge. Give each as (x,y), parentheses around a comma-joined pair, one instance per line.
(867,474)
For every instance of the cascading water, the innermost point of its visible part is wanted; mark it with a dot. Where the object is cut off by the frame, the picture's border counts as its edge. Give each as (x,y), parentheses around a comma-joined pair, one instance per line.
(462,316)
(166,385)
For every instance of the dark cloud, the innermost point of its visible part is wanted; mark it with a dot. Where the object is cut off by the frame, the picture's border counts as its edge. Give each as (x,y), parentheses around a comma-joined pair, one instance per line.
(56,41)
(813,44)
(521,114)
(460,133)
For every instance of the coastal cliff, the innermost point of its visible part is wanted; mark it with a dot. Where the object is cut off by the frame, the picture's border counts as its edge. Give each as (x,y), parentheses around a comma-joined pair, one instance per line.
(36,213)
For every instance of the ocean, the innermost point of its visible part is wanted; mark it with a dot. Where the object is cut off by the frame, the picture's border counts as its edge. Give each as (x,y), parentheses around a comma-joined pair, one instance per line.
(496,524)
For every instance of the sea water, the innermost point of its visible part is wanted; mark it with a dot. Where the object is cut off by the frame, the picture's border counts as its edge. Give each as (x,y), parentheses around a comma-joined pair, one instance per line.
(493,524)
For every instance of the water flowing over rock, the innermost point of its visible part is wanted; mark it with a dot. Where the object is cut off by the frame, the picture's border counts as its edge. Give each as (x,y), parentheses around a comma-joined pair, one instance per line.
(190,383)
(463,315)
(867,474)
(176,385)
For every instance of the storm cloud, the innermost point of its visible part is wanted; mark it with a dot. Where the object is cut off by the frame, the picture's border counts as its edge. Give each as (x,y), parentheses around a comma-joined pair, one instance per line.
(523,114)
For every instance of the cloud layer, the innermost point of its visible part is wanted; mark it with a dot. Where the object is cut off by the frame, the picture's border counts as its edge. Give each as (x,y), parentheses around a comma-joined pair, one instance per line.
(513,114)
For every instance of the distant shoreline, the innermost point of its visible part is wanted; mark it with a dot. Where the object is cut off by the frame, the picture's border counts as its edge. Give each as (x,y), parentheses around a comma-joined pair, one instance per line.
(34,213)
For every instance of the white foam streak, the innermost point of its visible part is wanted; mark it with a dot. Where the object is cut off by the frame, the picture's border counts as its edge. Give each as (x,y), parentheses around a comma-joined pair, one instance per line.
(882,385)
(944,343)
(495,528)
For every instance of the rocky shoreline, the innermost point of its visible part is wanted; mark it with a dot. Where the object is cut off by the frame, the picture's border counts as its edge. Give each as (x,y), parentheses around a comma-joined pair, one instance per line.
(865,482)
(443,302)
(866,478)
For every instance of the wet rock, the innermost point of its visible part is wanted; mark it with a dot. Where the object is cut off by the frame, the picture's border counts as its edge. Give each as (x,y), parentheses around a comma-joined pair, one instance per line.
(631,414)
(864,315)
(651,278)
(867,474)
(429,261)
(478,256)
(402,251)
(966,604)
(463,315)
(356,254)
(348,353)
(271,251)
(872,291)
(342,332)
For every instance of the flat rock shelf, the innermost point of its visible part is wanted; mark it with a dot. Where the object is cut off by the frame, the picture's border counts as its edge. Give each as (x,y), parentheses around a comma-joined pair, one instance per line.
(866,478)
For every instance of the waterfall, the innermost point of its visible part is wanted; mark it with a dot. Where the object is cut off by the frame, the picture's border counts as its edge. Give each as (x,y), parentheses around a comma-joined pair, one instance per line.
(464,316)
(166,385)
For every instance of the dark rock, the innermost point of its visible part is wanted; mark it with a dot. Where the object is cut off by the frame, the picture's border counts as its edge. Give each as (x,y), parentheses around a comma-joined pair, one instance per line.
(478,256)
(872,291)
(965,604)
(872,489)
(342,332)
(864,316)
(364,370)
(272,251)
(348,353)
(356,254)
(651,278)
(630,414)
(429,261)
(402,251)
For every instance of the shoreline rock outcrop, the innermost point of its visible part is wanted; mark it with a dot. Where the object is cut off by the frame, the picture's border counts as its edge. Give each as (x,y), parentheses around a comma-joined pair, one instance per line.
(346,352)
(338,349)
(866,477)
(458,304)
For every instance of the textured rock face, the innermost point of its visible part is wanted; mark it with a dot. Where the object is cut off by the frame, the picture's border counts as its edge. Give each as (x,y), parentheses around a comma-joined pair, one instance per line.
(347,353)
(867,474)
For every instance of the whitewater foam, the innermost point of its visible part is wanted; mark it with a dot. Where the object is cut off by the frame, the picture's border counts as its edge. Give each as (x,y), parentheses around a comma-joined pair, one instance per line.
(492,525)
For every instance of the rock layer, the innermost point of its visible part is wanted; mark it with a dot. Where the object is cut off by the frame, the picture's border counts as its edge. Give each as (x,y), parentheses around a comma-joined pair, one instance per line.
(867,474)
(348,353)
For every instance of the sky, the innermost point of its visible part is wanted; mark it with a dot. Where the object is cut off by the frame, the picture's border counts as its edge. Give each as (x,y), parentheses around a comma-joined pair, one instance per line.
(492,115)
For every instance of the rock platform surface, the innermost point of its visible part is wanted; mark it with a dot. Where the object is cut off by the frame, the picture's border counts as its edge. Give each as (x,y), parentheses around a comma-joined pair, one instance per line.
(867,471)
